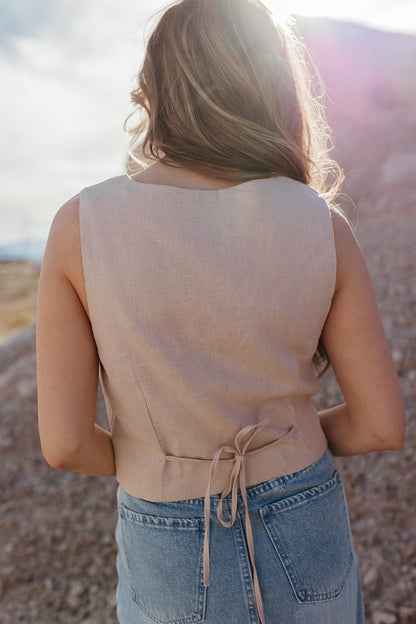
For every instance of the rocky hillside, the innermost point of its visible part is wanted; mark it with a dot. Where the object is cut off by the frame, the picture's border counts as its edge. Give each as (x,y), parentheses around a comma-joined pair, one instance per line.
(57,552)
(370,96)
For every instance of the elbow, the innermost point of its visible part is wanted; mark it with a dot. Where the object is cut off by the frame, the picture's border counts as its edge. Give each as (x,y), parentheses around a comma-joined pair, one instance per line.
(57,463)
(396,442)
(393,438)
(380,430)
(61,459)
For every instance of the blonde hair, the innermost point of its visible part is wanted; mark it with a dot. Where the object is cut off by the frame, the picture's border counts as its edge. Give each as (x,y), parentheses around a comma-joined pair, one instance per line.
(227,93)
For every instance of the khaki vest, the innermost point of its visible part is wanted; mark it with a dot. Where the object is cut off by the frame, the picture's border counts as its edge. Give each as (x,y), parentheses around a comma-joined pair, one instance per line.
(207,307)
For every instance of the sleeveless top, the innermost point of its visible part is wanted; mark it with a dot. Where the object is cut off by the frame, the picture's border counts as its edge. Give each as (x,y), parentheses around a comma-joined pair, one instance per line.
(206,308)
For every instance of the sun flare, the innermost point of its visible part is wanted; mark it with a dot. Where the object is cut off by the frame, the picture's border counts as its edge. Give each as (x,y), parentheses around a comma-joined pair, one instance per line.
(354,10)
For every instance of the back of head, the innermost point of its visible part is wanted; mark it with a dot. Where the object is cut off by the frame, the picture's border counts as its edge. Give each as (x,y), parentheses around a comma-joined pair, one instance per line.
(227,93)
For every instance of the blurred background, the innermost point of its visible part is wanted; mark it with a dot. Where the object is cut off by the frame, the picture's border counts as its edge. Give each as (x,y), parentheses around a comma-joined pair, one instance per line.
(66,69)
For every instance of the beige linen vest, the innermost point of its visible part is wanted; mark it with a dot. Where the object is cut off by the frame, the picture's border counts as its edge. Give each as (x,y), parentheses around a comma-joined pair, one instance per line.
(207,307)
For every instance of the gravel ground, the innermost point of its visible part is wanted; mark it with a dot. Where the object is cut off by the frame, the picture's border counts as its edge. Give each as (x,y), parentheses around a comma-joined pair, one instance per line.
(57,550)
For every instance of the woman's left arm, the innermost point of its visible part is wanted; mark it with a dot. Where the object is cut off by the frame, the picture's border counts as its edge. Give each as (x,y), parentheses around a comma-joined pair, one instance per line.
(67,360)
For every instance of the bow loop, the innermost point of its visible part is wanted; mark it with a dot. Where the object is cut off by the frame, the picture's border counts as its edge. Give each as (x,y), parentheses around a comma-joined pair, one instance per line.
(237,481)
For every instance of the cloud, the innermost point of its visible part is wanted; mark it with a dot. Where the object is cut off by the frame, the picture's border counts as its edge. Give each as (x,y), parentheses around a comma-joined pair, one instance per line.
(66,69)
(21,17)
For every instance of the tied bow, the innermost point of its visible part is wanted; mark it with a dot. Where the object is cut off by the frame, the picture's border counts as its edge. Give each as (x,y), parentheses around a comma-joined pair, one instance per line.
(237,481)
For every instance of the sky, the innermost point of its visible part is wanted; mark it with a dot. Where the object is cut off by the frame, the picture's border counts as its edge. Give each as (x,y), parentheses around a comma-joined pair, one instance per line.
(66,70)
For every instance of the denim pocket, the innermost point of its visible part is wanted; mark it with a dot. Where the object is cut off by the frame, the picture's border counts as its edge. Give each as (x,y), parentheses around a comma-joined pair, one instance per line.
(165,564)
(310,532)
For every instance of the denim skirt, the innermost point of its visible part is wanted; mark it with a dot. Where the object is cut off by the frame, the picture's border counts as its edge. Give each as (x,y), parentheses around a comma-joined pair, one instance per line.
(304,556)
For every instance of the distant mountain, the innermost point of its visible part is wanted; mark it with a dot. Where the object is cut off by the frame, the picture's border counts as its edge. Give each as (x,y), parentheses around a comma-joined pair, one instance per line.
(370,84)
(364,69)
(31,250)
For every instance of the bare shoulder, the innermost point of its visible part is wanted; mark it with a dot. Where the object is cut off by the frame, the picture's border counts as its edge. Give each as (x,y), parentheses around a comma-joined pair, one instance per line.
(343,231)
(354,291)
(63,250)
(350,259)
(64,232)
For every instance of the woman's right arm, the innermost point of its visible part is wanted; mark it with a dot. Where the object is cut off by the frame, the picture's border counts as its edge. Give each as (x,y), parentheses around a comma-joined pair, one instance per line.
(373,416)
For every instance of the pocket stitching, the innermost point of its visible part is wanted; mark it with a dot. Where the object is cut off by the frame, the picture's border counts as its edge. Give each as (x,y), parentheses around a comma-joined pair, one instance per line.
(302,497)
(163,522)
(285,505)
(188,524)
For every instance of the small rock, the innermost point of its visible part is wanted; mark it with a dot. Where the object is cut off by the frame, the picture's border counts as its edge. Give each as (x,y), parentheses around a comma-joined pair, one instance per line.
(406,613)
(112,600)
(370,577)
(397,356)
(76,590)
(381,617)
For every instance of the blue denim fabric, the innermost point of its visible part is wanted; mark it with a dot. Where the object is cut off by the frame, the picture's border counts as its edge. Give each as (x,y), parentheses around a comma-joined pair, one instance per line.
(304,555)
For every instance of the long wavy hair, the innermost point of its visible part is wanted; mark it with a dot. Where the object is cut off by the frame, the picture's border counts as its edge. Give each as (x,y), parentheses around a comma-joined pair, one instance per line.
(228,92)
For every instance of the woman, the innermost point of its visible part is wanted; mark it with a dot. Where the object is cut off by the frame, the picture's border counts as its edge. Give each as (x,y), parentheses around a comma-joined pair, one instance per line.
(205,290)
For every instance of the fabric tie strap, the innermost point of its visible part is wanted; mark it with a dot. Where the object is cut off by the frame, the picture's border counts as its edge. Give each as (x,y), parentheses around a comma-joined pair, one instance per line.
(237,481)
